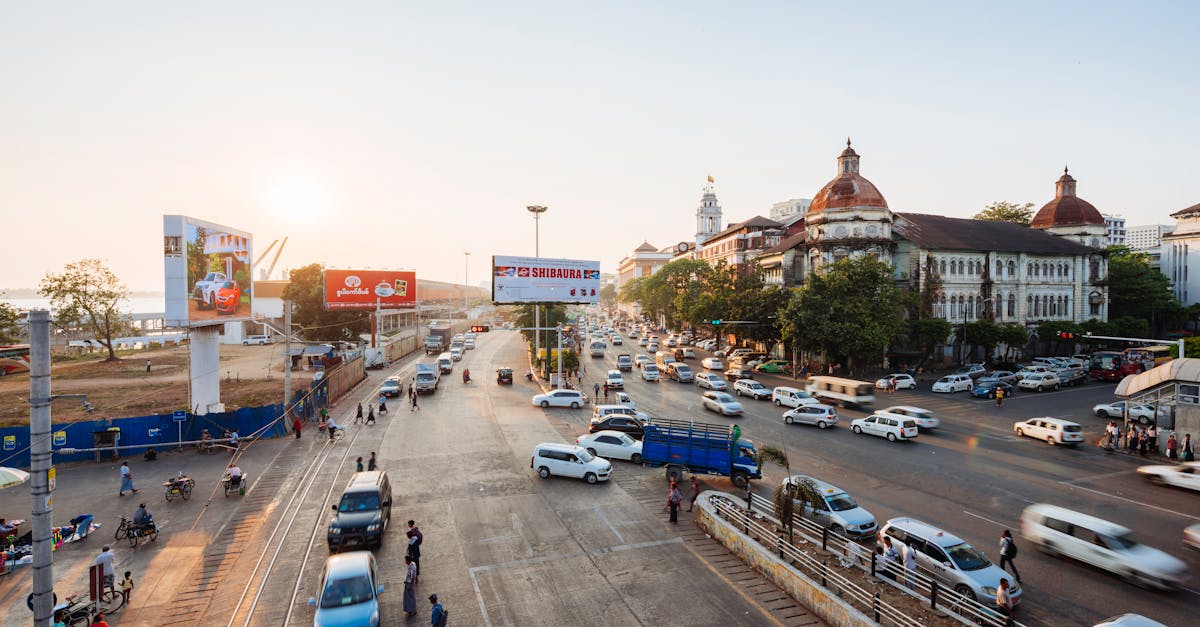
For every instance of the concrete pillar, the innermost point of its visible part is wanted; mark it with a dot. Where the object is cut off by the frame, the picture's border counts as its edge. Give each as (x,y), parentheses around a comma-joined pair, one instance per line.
(205,350)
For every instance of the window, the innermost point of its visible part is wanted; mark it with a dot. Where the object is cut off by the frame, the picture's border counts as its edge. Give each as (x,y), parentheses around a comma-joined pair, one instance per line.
(1012,305)
(1053,306)
(960,267)
(943,267)
(979,306)
(971,267)
(999,268)
(970,309)
(1189,393)
(1012,268)
(1028,269)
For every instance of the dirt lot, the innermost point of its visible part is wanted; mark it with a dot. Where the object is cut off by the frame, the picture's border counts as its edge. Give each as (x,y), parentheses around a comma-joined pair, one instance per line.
(250,375)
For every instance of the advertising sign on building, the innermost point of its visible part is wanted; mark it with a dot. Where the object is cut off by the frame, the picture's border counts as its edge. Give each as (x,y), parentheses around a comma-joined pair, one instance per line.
(207,272)
(541,280)
(362,289)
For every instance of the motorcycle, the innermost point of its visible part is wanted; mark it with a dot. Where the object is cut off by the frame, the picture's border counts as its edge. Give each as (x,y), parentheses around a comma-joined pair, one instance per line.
(235,484)
(466,376)
(134,533)
(180,486)
(529,375)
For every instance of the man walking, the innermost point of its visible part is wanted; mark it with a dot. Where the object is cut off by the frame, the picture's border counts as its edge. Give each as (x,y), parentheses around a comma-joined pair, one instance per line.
(415,406)
(126,480)
(358,417)
(695,493)
(595,391)
(1003,601)
(673,500)
(1008,551)
(438,616)
(371,462)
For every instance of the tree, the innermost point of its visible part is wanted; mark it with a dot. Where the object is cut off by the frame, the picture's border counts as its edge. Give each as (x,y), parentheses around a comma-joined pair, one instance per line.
(306,290)
(983,333)
(551,315)
(87,295)
(783,497)
(1014,337)
(929,332)
(9,331)
(1002,211)
(1137,289)
(608,295)
(849,309)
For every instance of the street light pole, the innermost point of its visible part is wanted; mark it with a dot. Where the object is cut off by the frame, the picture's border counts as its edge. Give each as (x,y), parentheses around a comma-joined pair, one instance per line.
(537,211)
(40,456)
(466,278)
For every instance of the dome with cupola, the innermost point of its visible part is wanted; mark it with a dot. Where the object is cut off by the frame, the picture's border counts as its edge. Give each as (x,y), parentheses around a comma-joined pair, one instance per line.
(1066,209)
(849,189)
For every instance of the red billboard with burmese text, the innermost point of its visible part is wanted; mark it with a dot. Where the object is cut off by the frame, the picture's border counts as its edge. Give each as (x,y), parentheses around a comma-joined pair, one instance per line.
(366,289)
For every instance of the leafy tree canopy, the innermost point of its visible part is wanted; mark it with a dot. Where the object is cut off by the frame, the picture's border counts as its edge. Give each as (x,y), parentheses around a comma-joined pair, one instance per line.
(306,290)
(9,331)
(1137,289)
(1003,211)
(89,296)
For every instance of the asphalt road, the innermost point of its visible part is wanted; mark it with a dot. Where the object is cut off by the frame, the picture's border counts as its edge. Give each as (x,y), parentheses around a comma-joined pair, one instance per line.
(973,477)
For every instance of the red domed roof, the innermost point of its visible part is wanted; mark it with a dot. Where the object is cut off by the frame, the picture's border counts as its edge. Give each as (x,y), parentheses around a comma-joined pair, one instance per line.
(1066,209)
(849,189)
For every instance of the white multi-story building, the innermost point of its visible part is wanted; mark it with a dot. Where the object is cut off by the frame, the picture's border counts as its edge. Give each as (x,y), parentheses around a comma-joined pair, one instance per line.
(780,211)
(644,261)
(1146,236)
(1181,251)
(1115,225)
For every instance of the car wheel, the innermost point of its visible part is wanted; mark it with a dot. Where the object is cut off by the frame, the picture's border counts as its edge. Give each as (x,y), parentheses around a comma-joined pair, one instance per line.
(245,343)
(1020,433)
(636,458)
(891,437)
(965,590)
(738,392)
(544,472)
(821,424)
(787,419)
(1102,414)
(1040,389)
(1055,387)
(590,478)
(545,404)
(777,403)
(1050,440)
(837,529)
(592,451)
(574,405)
(856,429)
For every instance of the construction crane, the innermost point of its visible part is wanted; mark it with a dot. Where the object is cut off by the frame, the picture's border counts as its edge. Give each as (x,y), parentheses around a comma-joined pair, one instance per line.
(274,260)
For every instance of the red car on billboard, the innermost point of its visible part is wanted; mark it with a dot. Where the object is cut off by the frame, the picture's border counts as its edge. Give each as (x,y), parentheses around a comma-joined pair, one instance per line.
(228,297)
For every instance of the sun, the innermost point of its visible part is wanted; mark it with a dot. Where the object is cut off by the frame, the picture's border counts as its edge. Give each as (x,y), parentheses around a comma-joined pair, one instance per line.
(296,198)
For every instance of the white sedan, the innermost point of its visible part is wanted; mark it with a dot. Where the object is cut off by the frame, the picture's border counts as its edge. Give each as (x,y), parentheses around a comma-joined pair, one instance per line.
(1141,413)
(903,382)
(710,381)
(611,445)
(722,403)
(1185,475)
(712,363)
(561,398)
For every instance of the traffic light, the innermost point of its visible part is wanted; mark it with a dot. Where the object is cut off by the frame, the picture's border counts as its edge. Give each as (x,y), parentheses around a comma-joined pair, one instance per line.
(1066,335)
(716,322)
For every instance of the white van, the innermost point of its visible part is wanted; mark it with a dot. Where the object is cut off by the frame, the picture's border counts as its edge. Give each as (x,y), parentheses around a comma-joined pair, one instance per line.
(953,383)
(1060,531)
(1052,430)
(567,460)
(791,397)
(445,362)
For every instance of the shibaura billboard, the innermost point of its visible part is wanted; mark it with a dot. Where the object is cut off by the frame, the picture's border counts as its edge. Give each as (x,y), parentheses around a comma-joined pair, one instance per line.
(207,271)
(364,289)
(541,280)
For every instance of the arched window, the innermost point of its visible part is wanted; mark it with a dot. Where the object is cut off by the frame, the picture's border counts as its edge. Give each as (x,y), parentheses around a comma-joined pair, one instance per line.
(942,272)
(1012,268)
(1028,269)
(1029,307)
(940,306)
(1045,269)
(999,268)
(970,308)
(979,307)
(1053,306)
(961,267)
(970,267)
(1094,266)
(1067,307)
(1012,305)
(1037,306)
(1067,271)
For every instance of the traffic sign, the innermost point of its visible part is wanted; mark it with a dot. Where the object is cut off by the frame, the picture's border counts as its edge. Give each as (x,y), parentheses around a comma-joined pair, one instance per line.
(179,416)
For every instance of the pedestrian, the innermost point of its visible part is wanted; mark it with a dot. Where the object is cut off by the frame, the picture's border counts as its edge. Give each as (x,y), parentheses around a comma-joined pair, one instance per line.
(147,366)
(233,442)
(673,500)
(382,400)
(358,417)
(579,377)
(1008,551)
(804,371)
(126,480)
(695,493)
(370,413)
(910,565)
(324,414)
(999,396)
(1003,602)
(1131,438)
(1143,442)
(99,622)
(105,559)
(1152,440)
(438,616)
(296,426)
(1172,447)
(414,551)
(371,462)
(749,496)
(410,587)
(891,557)
(1186,453)
(60,619)
(595,390)
(359,465)
(415,406)
(605,393)
(126,587)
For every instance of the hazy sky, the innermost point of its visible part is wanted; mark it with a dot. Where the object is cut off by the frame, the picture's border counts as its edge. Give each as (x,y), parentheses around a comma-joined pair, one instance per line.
(401,134)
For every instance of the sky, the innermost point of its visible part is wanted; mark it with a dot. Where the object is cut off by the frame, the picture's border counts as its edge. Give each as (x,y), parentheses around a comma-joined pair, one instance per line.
(404,134)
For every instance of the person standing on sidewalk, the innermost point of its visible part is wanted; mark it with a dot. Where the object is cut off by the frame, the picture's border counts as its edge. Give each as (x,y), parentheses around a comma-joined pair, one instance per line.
(1172,446)
(371,462)
(695,492)
(126,587)
(296,426)
(358,465)
(1008,552)
(126,480)
(999,396)
(438,615)
(410,587)
(1186,452)
(673,500)
(105,559)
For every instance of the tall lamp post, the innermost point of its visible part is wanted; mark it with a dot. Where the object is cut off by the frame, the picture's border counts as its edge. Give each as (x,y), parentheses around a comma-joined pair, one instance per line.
(466,279)
(537,211)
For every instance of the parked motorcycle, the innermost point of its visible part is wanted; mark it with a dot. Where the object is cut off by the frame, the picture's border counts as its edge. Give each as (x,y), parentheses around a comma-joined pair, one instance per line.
(180,486)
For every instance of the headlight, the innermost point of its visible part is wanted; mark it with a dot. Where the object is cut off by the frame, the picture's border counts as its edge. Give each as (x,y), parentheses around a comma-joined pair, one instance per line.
(374,527)
(990,591)
(335,531)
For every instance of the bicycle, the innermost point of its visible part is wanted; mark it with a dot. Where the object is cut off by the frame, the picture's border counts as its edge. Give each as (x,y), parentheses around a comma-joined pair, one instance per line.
(134,533)
(81,613)
(322,432)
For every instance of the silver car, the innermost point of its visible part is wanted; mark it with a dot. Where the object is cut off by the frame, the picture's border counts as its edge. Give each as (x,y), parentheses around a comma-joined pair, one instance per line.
(820,415)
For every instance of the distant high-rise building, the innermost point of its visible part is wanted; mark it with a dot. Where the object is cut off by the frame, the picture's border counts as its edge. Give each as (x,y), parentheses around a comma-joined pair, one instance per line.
(788,208)
(1146,236)
(1116,229)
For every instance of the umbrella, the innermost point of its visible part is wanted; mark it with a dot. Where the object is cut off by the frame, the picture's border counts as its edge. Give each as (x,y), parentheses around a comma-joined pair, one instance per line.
(10,477)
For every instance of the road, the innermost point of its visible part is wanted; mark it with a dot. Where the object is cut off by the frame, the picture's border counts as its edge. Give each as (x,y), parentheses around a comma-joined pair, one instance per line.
(973,477)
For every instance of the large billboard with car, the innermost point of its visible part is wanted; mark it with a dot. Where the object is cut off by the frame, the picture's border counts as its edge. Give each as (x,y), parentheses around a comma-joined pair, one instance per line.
(541,280)
(364,289)
(207,272)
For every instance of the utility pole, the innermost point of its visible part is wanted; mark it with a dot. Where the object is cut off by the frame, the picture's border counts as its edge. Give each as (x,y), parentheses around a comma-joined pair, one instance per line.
(287,357)
(537,211)
(466,279)
(41,459)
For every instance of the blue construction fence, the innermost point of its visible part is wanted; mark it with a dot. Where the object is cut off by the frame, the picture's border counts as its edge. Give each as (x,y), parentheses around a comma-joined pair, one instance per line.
(161,431)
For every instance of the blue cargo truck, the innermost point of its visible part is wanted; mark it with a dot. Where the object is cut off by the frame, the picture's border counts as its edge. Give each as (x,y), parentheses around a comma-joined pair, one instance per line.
(700,448)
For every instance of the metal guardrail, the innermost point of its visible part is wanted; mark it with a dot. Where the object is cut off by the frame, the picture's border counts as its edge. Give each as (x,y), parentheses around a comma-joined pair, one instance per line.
(845,550)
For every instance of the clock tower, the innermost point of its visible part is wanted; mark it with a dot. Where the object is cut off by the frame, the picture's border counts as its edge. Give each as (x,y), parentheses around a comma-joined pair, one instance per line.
(708,215)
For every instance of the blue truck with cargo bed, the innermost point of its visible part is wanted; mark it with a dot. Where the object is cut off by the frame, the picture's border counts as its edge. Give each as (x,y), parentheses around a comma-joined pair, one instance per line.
(700,448)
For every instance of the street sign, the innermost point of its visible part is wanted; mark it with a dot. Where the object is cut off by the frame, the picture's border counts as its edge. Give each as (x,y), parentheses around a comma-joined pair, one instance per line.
(51,476)
(179,416)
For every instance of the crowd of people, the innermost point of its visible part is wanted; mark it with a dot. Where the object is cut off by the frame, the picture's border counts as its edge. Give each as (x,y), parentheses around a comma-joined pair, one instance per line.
(1144,440)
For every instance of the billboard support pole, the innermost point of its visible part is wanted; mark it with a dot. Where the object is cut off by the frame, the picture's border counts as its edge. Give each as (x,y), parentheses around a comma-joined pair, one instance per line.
(558,327)
(40,458)
(287,357)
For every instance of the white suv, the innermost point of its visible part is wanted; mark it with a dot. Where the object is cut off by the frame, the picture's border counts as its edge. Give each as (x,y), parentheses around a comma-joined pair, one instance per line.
(892,428)
(953,383)
(952,562)
(834,509)
(751,388)
(566,460)
(1052,430)
(1040,381)
(649,372)
(257,339)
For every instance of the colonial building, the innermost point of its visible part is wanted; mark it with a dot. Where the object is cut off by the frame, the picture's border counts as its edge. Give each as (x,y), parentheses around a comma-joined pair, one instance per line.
(1180,251)
(1054,270)
(644,261)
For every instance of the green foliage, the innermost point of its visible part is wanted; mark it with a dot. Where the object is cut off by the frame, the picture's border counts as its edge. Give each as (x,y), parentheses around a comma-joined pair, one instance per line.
(851,308)
(87,295)
(1138,290)
(551,315)
(774,455)
(927,333)
(983,333)
(1131,326)
(9,331)
(1002,211)
(306,290)
(1191,347)
(1014,337)
(608,295)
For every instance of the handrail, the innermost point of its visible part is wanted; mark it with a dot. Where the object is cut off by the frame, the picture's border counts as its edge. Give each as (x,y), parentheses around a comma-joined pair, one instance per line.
(922,587)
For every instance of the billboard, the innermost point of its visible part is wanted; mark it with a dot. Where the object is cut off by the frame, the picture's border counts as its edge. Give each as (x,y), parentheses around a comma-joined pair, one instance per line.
(361,289)
(207,272)
(541,280)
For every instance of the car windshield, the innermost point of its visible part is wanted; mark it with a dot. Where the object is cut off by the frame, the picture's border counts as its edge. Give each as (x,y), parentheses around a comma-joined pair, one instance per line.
(424,376)
(364,502)
(966,557)
(651,368)
(626,440)
(754,385)
(944,380)
(723,398)
(841,502)
(584,456)
(228,285)
(1123,542)
(349,591)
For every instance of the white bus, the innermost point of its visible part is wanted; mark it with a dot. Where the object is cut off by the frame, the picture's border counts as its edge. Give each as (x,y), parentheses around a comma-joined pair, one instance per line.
(846,392)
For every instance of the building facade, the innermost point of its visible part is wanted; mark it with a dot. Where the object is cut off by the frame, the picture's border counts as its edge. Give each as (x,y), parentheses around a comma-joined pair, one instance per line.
(1180,251)
(1146,237)
(781,211)
(644,261)
(1115,225)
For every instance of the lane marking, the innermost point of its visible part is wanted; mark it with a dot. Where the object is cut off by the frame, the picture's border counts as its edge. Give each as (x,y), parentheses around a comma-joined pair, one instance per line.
(602,517)
(1103,476)
(1138,503)
(998,524)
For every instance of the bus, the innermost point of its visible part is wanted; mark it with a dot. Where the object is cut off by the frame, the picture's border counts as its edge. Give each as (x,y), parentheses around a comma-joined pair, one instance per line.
(1116,365)
(14,359)
(1148,356)
(847,392)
